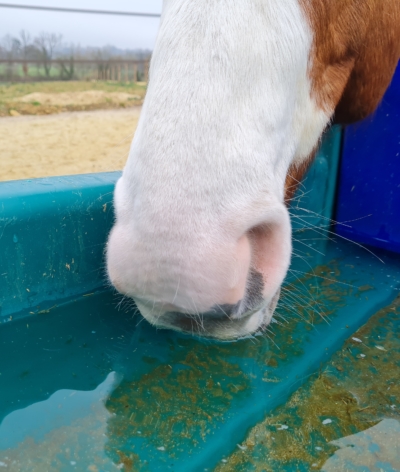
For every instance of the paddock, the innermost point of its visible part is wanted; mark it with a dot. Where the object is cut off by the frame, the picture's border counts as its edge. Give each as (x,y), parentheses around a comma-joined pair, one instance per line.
(66,143)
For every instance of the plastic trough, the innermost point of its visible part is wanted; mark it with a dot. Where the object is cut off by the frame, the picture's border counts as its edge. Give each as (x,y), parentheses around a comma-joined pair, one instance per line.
(87,385)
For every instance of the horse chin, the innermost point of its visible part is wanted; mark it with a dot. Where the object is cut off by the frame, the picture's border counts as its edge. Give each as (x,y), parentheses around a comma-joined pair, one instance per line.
(225,329)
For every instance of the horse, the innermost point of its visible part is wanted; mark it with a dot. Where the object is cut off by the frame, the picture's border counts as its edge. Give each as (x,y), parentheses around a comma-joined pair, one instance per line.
(239,95)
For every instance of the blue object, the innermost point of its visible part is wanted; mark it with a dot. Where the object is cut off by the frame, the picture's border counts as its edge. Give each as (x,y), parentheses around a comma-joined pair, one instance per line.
(368,205)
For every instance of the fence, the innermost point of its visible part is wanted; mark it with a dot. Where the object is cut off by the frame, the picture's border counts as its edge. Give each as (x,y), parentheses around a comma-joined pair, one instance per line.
(29,70)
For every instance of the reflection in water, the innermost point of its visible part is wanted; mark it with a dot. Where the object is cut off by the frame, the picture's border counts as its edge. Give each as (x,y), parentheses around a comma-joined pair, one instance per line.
(68,429)
(375,449)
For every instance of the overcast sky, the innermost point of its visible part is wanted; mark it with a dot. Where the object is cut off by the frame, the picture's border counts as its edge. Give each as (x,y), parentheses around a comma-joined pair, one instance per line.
(86,29)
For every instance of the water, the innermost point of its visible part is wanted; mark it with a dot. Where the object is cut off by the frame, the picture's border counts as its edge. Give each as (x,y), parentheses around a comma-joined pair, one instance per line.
(346,417)
(90,386)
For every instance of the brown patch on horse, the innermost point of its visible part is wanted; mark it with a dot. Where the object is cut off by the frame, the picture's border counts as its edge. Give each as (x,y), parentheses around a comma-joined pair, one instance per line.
(295,175)
(355,51)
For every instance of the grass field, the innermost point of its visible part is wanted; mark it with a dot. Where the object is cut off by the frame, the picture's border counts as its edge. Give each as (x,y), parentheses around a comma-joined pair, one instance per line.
(115,96)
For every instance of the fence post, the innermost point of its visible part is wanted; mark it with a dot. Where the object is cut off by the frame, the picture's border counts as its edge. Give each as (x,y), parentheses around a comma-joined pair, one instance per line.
(146,71)
(25,70)
(135,68)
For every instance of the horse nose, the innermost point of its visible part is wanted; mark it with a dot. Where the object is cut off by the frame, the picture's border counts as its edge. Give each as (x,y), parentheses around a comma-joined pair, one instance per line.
(213,278)
(193,278)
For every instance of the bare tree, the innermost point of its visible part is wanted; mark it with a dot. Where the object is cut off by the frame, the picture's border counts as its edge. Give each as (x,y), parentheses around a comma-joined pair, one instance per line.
(47,44)
(67,62)
(26,47)
(26,43)
(47,49)
(11,46)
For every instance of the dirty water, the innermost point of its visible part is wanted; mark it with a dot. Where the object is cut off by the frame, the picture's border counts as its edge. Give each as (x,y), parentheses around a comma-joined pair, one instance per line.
(346,417)
(89,386)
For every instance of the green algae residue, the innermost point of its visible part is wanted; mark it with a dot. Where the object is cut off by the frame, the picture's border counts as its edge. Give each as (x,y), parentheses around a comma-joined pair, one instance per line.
(315,296)
(357,389)
(178,396)
(176,406)
(178,402)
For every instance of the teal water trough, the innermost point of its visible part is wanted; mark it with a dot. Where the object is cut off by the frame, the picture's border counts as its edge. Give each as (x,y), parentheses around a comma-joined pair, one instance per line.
(87,385)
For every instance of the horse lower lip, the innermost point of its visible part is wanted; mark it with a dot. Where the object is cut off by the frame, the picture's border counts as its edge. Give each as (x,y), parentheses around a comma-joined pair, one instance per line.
(221,328)
(205,318)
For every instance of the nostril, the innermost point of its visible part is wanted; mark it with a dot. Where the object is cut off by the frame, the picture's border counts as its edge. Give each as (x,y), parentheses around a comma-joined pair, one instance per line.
(252,299)
(254,296)
(271,251)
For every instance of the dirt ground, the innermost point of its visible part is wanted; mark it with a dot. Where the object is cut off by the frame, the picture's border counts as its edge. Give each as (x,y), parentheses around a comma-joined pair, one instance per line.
(66,143)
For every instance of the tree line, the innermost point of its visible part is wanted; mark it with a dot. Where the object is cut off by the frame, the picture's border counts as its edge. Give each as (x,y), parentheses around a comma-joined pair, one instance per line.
(46,48)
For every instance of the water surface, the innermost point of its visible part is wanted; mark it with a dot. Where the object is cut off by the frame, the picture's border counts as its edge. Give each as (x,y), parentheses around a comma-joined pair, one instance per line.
(90,386)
